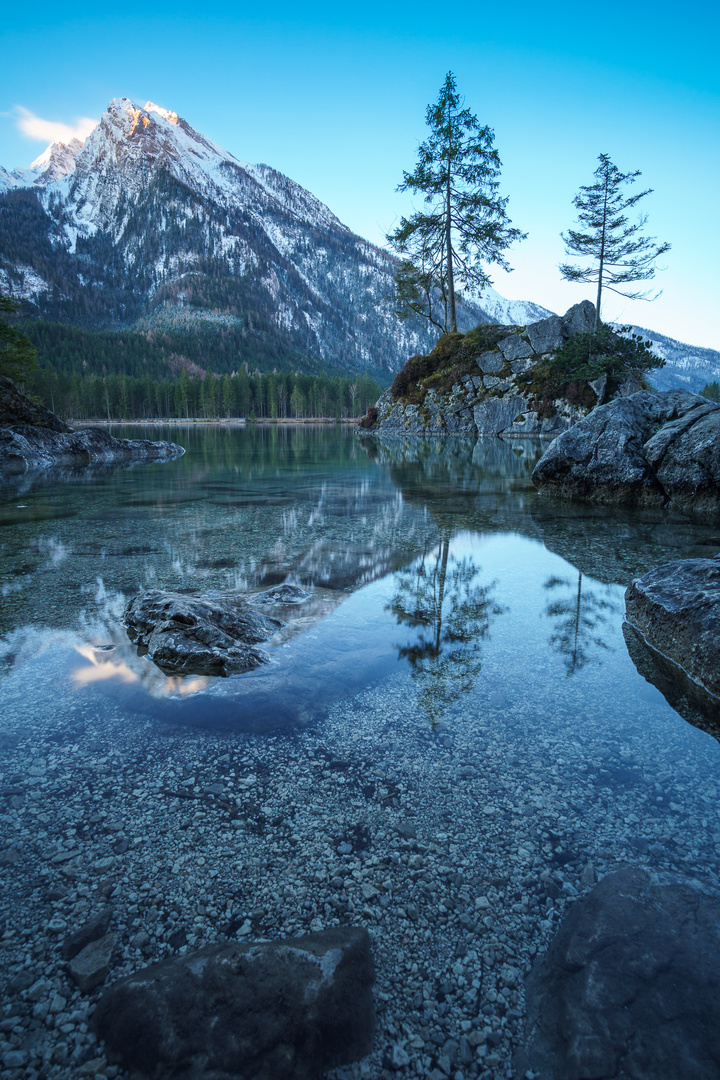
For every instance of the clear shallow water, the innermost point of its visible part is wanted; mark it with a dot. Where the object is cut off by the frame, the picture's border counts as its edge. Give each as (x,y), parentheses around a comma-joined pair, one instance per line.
(433,560)
(460,676)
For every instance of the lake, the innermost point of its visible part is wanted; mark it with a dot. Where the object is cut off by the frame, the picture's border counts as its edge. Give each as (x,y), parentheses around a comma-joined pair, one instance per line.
(458,690)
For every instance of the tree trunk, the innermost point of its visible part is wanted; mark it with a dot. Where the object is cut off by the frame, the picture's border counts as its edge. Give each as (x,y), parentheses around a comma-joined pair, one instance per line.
(577,621)
(445,551)
(452,318)
(602,256)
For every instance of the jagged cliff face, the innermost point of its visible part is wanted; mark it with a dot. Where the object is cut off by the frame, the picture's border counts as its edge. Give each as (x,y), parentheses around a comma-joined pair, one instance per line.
(150,223)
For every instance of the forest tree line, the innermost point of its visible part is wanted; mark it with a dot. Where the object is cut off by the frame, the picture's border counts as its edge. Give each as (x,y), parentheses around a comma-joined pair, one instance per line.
(276,395)
(84,374)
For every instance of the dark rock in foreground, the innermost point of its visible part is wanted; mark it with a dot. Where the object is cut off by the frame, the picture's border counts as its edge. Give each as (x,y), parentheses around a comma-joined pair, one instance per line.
(212,634)
(651,449)
(676,608)
(629,986)
(292,1008)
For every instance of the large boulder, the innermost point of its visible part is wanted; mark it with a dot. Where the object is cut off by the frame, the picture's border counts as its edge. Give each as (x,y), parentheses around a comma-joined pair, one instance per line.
(292,1008)
(629,987)
(676,608)
(209,634)
(649,449)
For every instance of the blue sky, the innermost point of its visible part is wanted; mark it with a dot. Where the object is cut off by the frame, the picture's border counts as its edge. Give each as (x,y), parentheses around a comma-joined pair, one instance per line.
(335,98)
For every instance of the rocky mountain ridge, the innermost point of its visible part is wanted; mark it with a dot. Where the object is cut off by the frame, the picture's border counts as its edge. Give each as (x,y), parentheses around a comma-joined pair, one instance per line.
(151,224)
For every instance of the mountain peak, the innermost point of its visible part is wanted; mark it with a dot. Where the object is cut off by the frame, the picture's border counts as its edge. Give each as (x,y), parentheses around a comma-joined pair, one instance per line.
(150,106)
(56,161)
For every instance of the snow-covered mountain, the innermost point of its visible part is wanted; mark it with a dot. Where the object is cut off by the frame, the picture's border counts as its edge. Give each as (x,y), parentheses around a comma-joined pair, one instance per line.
(497,309)
(150,224)
(687,367)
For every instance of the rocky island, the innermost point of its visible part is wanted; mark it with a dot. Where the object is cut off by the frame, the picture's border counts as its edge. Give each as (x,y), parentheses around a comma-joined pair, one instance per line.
(32,437)
(472,384)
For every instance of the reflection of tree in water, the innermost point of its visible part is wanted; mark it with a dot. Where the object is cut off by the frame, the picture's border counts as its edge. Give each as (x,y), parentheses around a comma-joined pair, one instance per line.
(579,617)
(438,597)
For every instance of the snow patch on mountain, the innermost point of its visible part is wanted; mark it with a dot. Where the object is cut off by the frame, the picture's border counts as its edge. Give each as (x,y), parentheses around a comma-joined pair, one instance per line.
(510,312)
(23,282)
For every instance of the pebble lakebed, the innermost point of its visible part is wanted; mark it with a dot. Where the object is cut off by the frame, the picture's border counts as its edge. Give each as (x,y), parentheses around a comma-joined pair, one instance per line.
(459,848)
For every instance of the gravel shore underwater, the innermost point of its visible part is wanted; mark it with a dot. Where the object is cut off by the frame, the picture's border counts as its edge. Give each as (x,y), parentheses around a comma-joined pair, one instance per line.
(459,848)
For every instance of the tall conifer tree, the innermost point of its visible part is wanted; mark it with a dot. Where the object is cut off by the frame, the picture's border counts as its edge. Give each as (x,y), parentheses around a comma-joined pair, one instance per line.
(464,226)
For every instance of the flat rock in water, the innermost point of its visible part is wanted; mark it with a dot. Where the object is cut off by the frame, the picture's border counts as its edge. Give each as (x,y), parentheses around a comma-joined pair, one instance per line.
(676,608)
(628,989)
(210,634)
(291,1008)
(25,448)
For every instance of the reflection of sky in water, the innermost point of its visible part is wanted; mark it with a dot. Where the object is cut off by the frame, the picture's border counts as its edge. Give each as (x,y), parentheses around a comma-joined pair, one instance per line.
(437,559)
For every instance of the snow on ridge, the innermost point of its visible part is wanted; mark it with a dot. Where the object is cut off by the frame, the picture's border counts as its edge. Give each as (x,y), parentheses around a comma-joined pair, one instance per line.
(510,312)
(8,181)
(22,282)
(172,117)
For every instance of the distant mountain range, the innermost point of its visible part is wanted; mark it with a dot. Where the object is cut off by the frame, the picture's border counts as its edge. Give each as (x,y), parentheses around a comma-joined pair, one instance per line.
(687,367)
(150,225)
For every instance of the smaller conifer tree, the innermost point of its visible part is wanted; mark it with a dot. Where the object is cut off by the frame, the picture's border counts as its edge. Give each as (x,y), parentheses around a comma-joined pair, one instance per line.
(619,253)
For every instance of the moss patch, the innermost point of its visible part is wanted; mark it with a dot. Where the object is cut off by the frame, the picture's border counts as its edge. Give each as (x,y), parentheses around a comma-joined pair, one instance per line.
(454,356)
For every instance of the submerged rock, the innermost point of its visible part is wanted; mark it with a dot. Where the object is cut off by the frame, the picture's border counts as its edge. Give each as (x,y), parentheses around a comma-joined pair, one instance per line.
(629,986)
(90,931)
(649,449)
(676,608)
(281,594)
(90,967)
(211,634)
(291,1008)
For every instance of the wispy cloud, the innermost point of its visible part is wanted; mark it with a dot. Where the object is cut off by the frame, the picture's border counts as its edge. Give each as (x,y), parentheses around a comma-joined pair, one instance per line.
(48,131)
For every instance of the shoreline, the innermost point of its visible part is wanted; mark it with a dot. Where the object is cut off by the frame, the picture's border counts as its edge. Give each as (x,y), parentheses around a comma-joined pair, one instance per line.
(229,421)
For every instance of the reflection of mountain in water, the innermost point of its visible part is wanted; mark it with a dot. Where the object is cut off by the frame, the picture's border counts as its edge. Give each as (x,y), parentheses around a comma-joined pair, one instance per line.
(315,518)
